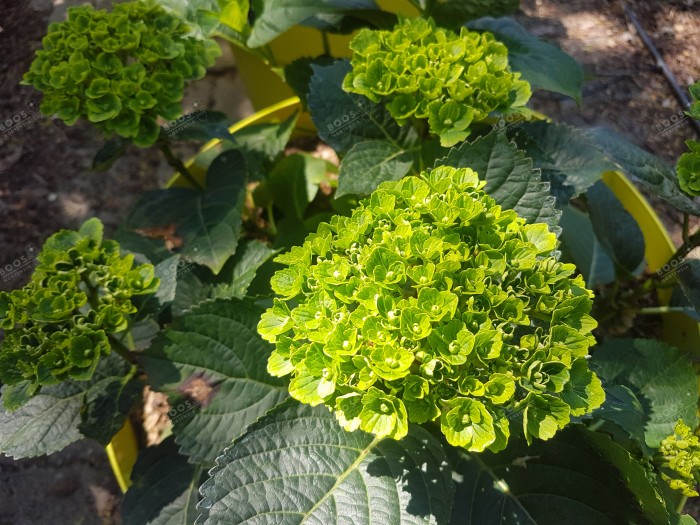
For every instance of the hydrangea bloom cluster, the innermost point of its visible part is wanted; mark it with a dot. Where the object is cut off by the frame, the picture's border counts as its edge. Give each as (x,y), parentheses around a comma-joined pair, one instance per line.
(688,169)
(119,69)
(681,452)
(431,302)
(57,326)
(425,72)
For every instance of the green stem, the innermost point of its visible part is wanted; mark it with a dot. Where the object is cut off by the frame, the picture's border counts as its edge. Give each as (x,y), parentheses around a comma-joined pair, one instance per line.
(269,55)
(654,310)
(686,227)
(681,504)
(614,292)
(595,426)
(326,43)
(688,245)
(271,219)
(121,349)
(177,164)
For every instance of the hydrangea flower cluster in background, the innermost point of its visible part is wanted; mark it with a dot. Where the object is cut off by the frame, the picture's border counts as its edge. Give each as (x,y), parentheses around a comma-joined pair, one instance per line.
(681,453)
(57,326)
(431,302)
(688,169)
(426,72)
(119,69)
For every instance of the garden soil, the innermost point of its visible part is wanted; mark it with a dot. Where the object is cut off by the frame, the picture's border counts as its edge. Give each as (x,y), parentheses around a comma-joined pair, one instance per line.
(46,180)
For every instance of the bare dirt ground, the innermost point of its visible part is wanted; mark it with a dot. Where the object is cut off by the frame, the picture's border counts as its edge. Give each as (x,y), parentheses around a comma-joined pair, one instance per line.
(46,182)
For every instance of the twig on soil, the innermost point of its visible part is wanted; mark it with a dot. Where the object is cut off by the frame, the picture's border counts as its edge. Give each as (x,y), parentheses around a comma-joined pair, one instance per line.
(660,63)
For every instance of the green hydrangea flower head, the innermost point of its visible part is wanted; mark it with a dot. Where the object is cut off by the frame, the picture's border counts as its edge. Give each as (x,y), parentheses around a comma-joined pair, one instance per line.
(121,70)
(681,453)
(424,72)
(57,326)
(688,169)
(432,303)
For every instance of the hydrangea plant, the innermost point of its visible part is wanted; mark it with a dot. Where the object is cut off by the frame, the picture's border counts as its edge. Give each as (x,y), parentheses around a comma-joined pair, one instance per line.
(58,326)
(688,169)
(681,453)
(119,69)
(425,72)
(431,302)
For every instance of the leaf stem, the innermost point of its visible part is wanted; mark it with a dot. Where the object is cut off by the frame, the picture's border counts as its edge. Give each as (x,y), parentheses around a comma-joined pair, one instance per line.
(681,504)
(176,163)
(271,219)
(326,43)
(595,426)
(121,349)
(654,310)
(686,227)
(689,244)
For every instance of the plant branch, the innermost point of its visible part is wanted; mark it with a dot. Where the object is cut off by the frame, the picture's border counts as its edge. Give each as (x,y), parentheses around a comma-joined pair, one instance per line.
(326,43)
(688,245)
(271,219)
(653,310)
(681,504)
(121,349)
(177,164)
(596,425)
(670,77)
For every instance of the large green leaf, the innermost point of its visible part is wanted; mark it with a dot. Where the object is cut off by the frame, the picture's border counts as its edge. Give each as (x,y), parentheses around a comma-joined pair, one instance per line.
(509,175)
(293,182)
(542,65)
(199,125)
(297,465)
(50,421)
(263,144)
(616,230)
(274,17)
(580,246)
(163,488)
(298,74)
(560,150)
(660,376)
(198,13)
(241,270)
(455,13)
(576,478)
(196,284)
(208,221)
(107,404)
(368,164)
(344,119)
(644,168)
(212,364)
(623,408)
